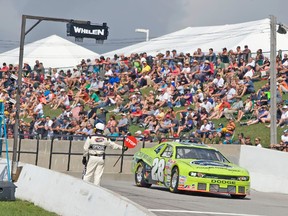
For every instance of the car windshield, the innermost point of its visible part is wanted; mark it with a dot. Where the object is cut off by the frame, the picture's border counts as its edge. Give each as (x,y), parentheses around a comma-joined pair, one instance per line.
(199,154)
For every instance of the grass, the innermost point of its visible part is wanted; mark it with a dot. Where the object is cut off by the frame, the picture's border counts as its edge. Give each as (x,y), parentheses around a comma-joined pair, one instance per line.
(22,208)
(257,130)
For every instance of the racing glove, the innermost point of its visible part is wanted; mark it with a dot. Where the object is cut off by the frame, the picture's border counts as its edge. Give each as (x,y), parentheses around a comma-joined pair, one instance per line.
(84,161)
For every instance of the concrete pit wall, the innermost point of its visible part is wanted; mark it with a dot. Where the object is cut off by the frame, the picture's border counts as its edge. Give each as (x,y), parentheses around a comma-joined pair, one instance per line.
(68,196)
(267,168)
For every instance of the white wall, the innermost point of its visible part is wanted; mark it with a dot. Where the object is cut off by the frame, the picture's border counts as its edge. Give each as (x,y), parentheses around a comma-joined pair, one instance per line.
(268,168)
(65,195)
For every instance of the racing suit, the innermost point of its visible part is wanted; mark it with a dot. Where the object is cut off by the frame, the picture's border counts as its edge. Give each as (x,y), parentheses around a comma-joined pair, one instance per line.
(94,147)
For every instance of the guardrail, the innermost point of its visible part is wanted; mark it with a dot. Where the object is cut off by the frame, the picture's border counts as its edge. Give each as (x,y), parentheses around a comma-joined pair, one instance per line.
(69,153)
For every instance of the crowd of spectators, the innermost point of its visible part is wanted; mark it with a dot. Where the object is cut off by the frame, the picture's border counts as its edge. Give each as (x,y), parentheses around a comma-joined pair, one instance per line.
(171,94)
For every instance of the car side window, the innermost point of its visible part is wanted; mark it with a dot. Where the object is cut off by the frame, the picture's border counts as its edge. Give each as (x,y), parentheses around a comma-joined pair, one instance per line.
(158,149)
(168,152)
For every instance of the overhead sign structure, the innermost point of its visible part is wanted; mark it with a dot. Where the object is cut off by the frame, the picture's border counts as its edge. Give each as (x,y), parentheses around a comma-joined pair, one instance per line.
(82,30)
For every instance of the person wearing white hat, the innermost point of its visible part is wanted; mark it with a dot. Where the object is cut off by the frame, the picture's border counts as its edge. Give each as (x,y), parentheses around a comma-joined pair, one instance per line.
(250,71)
(138,133)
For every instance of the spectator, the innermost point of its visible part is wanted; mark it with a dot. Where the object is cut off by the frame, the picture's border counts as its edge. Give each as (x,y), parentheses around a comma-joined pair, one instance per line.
(164,126)
(135,115)
(224,57)
(230,127)
(248,86)
(198,55)
(258,142)
(246,53)
(227,139)
(147,136)
(48,127)
(62,100)
(235,108)
(122,126)
(248,108)
(211,56)
(211,94)
(261,114)
(204,129)
(284,117)
(240,140)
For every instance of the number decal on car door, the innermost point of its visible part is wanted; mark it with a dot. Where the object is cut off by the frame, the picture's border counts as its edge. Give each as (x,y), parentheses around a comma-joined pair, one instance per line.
(157,172)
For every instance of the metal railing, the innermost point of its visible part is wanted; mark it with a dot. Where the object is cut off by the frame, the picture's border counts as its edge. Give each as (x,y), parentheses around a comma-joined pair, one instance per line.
(69,153)
(36,152)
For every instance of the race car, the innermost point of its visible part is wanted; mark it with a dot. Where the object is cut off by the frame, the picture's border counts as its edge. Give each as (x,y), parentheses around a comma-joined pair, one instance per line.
(186,166)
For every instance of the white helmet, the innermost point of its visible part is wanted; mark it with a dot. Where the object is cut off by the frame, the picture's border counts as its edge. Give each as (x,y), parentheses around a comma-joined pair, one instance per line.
(100,126)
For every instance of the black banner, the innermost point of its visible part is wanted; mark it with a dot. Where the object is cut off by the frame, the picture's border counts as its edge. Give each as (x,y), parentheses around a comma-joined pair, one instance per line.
(99,32)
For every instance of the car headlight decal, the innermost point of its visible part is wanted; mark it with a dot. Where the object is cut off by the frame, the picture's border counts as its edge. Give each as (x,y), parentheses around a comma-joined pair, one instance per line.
(197,174)
(193,174)
(243,178)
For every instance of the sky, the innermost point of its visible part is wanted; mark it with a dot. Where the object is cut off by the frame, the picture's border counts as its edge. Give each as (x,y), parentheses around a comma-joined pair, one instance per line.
(123,17)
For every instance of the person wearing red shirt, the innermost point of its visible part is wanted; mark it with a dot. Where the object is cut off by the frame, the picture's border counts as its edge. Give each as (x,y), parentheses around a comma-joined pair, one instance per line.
(224,105)
(4,69)
(135,116)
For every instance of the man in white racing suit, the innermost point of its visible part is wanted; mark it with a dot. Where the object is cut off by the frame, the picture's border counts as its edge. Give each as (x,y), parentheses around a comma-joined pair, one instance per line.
(94,147)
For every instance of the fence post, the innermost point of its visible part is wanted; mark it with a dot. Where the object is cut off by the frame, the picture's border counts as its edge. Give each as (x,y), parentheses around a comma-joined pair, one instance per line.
(69,153)
(51,151)
(37,150)
(19,148)
(122,155)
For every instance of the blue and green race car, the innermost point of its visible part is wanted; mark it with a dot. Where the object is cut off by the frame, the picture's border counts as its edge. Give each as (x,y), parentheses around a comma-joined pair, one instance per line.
(188,166)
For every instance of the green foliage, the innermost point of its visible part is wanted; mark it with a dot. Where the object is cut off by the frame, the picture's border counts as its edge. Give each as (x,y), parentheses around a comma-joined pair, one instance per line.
(22,208)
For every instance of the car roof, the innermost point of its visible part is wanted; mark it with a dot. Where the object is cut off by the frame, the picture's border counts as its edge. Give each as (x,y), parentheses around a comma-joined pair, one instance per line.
(190,144)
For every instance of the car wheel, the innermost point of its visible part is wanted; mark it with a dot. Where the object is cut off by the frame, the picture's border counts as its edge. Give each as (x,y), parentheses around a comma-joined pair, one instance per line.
(174,180)
(237,196)
(139,175)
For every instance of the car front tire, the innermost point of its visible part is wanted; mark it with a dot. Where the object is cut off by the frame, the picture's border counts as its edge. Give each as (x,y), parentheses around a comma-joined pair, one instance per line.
(139,175)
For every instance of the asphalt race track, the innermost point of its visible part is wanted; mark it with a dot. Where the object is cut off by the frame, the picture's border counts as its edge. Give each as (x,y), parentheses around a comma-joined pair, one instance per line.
(163,203)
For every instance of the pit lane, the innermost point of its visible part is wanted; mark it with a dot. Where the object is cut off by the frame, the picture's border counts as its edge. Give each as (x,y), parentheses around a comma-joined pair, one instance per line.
(163,203)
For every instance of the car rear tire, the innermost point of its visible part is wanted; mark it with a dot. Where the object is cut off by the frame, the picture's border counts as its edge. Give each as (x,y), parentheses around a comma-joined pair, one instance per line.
(174,180)
(139,175)
(234,196)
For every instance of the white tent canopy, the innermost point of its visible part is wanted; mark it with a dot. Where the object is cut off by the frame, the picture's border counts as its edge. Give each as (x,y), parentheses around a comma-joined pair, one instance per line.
(53,51)
(255,34)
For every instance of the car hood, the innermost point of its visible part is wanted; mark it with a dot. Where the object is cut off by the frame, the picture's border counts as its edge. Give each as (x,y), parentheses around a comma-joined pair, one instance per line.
(208,166)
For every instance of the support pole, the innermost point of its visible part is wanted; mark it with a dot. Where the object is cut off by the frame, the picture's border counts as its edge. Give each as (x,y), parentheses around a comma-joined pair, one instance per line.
(19,81)
(19,85)
(273,82)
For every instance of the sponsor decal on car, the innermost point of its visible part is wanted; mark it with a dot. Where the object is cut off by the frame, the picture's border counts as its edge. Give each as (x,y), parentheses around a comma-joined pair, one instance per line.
(218,181)
(182,179)
(210,163)
(144,157)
